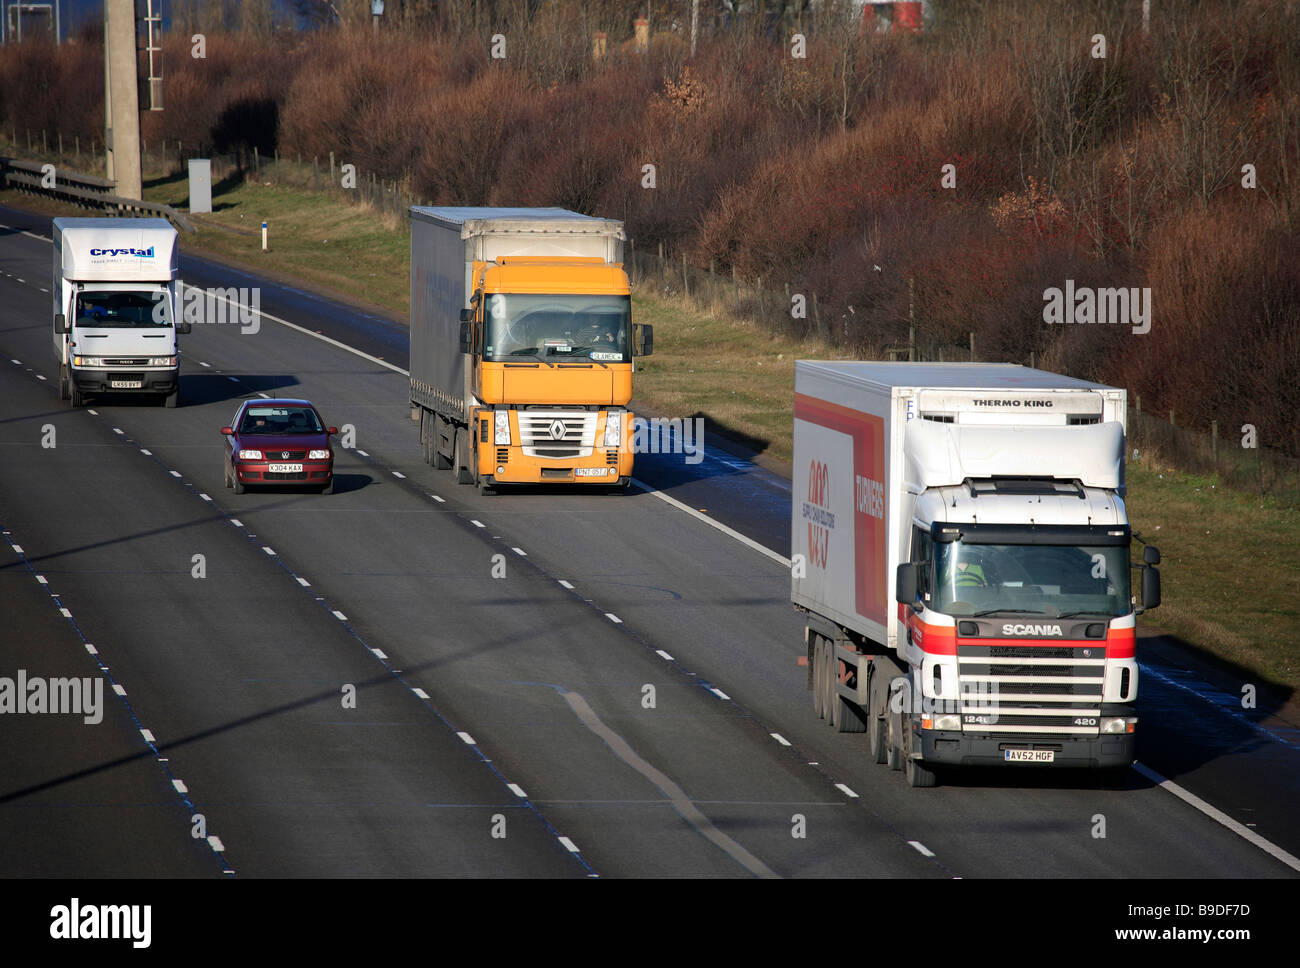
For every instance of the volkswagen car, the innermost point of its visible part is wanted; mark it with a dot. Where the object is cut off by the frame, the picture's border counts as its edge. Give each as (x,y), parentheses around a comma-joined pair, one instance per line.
(279,442)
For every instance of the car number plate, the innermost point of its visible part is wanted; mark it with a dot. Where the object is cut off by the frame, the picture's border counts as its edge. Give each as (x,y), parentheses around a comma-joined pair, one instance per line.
(284,468)
(590,472)
(1029,756)
(126,384)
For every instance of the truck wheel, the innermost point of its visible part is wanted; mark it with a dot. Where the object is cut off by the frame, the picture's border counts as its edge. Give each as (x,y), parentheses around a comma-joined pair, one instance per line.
(485,487)
(426,436)
(64,381)
(817,674)
(464,471)
(894,752)
(440,427)
(846,716)
(917,774)
(877,727)
(828,681)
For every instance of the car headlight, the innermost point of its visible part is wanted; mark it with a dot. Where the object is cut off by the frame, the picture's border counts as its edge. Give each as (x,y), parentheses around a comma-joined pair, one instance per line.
(503,427)
(250,455)
(87,361)
(318,455)
(162,361)
(613,428)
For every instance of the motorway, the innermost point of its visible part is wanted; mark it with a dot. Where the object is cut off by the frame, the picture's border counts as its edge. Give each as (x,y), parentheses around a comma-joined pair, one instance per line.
(339,687)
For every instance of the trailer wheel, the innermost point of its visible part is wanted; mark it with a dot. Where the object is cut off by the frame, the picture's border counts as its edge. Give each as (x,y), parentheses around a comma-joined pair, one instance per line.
(828,681)
(426,436)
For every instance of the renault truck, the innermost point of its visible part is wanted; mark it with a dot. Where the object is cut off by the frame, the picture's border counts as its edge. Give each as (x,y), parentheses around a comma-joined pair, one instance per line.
(115,290)
(961,555)
(522,345)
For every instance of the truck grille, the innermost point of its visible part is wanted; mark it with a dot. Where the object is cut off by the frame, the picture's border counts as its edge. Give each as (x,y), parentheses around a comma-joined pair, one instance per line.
(1030,689)
(557,434)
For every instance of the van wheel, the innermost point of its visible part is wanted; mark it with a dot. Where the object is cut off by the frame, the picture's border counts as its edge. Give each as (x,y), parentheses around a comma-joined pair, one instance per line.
(64,381)
(75,395)
(173,399)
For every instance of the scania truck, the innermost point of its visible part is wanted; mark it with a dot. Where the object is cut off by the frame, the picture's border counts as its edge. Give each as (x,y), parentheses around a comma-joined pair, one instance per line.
(522,345)
(961,553)
(116,315)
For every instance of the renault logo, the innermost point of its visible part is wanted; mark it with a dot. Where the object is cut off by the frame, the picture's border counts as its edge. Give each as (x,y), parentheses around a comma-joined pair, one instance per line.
(557,430)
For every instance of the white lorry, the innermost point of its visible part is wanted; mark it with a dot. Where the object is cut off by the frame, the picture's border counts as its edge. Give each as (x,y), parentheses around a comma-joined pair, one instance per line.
(961,550)
(116,310)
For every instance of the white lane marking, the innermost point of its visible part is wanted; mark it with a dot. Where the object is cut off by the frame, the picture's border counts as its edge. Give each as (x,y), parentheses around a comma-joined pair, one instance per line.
(466,738)
(236,522)
(65,613)
(846,791)
(215,843)
(925,851)
(520,551)
(208,365)
(269,551)
(304,583)
(420,692)
(17,362)
(566,584)
(180,786)
(176,473)
(147,453)
(148,736)
(91,649)
(39,377)
(119,689)
(569,845)
(743,539)
(204,496)
(438,499)
(233,379)
(613,618)
(95,412)
(42,579)
(17,548)
(23,281)
(719,693)
(340,616)
(477,524)
(264,396)
(663,655)
(379,654)
(118,430)
(363,453)
(1215,814)
(517,790)
(399,474)
(780,739)
(43,289)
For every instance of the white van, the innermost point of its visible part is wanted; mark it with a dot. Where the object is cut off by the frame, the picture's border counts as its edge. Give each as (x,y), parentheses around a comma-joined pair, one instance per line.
(116,308)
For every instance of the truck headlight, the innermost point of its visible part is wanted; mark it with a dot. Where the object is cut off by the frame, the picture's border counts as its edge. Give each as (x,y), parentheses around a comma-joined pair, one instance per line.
(250,455)
(613,428)
(318,455)
(947,721)
(1118,724)
(502,419)
(162,361)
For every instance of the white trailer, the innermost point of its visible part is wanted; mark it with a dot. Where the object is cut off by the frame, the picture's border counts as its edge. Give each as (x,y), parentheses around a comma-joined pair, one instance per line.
(961,549)
(116,314)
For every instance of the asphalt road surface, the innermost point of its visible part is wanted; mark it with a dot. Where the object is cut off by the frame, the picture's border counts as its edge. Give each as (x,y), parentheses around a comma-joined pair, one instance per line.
(336,685)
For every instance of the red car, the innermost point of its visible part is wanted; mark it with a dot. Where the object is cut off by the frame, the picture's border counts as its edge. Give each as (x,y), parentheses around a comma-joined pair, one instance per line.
(279,442)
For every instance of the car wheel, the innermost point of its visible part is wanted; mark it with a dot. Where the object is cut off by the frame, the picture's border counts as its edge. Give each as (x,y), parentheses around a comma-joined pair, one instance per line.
(328,488)
(225,473)
(236,483)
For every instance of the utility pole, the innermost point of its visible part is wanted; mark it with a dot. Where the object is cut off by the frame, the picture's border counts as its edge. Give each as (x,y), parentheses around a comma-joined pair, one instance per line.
(122,114)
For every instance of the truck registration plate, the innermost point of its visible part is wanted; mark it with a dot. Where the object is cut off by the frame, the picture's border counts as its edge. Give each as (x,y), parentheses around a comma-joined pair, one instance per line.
(126,384)
(1029,756)
(284,468)
(589,472)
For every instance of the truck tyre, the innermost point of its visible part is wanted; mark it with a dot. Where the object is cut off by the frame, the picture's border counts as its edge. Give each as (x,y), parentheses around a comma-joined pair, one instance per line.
(485,487)
(917,774)
(464,470)
(877,726)
(440,427)
(64,381)
(427,438)
(817,673)
(895,751)
(828,680)
(847,717)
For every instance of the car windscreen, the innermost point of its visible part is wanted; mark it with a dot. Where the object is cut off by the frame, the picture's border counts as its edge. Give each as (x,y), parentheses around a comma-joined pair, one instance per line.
(280,420)
(122,310)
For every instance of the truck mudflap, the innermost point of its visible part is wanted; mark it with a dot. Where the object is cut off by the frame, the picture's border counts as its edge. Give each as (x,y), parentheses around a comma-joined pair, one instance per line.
(951,748)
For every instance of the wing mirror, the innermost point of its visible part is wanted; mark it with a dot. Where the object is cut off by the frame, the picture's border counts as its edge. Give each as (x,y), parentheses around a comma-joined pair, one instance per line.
(466,335)
(228,431)
(643,338)
(332,431)
(906,583)
(61,324)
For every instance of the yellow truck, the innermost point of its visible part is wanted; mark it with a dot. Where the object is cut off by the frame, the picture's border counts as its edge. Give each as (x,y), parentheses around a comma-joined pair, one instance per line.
(522,345)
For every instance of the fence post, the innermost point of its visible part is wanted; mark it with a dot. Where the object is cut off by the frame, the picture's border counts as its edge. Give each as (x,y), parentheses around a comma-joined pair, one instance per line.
(686,283)
(76,140)
(972,347)
(1172,422)
(817,315)
(1214,442)
(331,169)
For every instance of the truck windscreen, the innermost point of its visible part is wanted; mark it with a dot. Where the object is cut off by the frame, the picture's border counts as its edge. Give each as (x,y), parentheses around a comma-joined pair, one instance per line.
(1042,579)
(521,327)
(122,310)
